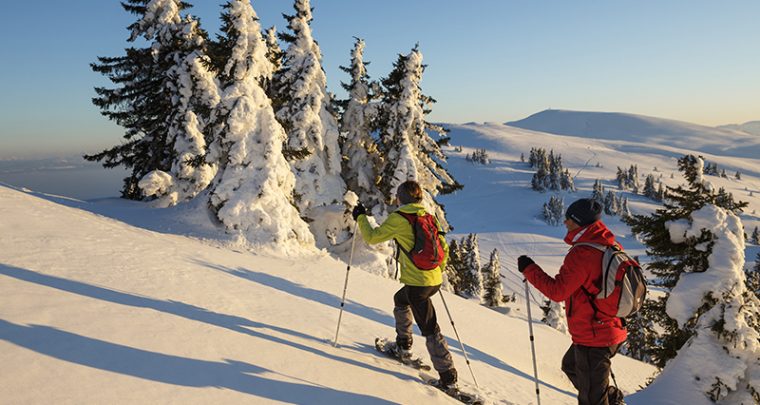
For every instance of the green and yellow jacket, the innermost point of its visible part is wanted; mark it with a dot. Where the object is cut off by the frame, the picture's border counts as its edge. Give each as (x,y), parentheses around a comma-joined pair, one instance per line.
(398,228)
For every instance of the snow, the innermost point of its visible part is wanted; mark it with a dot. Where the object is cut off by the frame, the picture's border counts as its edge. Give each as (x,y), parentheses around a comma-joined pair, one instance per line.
(88,302)
(677,230)
(158,305)
(726,263)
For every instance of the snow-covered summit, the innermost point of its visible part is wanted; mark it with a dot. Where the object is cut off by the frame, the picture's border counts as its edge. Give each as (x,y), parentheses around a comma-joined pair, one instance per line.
(639,128)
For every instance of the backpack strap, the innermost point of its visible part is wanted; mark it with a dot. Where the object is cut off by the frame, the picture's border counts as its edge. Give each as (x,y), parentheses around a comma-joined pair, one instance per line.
(596,246)
(591,297)
(412,219)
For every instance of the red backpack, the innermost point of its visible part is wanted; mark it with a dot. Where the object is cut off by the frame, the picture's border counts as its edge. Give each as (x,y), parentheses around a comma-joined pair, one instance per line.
(427,252)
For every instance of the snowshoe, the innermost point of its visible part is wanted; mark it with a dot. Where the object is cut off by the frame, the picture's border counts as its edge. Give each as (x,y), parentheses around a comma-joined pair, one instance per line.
(405,357)
(454,392)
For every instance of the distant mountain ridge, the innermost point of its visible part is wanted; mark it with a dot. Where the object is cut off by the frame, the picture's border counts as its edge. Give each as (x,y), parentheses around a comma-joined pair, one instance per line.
(751,127)
(727,140)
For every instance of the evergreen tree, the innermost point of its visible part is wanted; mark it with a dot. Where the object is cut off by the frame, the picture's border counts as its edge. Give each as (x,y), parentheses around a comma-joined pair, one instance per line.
(738,175)
(410,152)
(622,179)
(755,237)
(624,212)
(302,106)
(554,211)
(611,203)
(713,306)
(566,181)
(633,179)
(253,190)
(672,258)
(522,158)
(641,332)
(453,268)
(195,96)
(493,289)
(538,182)
(660,195)
(597,193)
(274,55)
(144,102)
(753,277)
(471,277)
(361,159)
(649,189)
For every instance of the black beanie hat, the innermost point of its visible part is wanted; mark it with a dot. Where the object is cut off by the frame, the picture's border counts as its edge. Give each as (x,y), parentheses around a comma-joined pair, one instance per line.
(584,211)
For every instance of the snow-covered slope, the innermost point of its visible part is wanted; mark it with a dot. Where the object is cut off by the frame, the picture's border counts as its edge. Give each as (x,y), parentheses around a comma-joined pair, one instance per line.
(111,301)
(93,310)
(497,201)
(639,128)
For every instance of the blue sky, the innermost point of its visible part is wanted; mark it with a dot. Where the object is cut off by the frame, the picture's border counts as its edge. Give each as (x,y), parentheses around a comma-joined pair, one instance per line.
(489,60)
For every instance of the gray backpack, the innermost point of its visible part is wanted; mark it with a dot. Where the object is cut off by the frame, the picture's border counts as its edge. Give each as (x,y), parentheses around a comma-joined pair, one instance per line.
(622,287)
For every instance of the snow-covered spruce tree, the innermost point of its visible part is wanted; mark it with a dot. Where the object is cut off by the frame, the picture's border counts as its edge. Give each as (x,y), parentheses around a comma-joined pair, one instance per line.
(410,152)
(301,104)
(622,179)
(493,289)
(649,189)
(755,237)
(471,276)
(597,193)
(274,55)
(722,357)
(362,161)
(738,175)
(566,181)
(753,277)
(554,315)
(611,203)
(669,259)
(194,95)
(253,190)
(539,180)
(624,211)
(143,102)
(453,265)
(633,179)
(554,210)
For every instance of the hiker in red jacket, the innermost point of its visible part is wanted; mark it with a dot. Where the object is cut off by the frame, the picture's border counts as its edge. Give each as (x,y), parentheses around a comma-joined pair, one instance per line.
(596,336)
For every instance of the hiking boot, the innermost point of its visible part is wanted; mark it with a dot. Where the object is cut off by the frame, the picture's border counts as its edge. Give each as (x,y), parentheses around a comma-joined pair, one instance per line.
(400,353)
(615,396)
(448,379)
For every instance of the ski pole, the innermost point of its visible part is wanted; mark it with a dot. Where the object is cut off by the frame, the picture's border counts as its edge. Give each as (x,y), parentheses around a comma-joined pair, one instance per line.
(345,284)
(532,345)
(466,359)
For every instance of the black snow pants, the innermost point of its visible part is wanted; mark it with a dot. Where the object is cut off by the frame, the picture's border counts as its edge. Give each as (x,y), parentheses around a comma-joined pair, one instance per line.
(589,370)
(411,301)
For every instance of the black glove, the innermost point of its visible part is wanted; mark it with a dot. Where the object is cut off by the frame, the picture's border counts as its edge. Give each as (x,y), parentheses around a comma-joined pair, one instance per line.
(358,210)
(523,262)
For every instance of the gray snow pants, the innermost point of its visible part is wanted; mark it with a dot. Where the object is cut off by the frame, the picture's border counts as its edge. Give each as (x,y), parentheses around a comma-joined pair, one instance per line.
(414,303)
(589,370)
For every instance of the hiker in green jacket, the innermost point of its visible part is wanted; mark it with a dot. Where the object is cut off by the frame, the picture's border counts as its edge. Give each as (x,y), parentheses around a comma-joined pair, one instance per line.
(413,300)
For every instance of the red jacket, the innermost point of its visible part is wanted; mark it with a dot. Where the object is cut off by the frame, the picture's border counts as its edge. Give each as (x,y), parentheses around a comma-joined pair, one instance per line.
(582,268)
